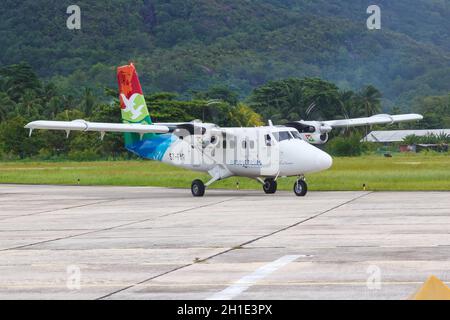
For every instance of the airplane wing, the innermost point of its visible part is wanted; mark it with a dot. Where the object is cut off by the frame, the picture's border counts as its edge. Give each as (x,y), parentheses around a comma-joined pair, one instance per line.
(376,119)
(82,125)
(316,132)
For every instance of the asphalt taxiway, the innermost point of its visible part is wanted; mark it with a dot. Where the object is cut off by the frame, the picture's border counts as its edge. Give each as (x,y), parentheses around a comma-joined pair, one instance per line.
(75,242)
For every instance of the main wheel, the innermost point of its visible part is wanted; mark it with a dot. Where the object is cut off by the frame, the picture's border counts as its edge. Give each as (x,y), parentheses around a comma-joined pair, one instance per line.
(270,186)
(300,188)
(197,188)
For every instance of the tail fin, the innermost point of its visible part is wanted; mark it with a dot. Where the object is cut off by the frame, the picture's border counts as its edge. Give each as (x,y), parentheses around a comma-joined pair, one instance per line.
(132,101)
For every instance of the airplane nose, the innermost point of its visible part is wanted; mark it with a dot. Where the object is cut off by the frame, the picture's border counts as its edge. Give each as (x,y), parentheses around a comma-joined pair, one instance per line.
(324,160)
(311,159)
(320,160)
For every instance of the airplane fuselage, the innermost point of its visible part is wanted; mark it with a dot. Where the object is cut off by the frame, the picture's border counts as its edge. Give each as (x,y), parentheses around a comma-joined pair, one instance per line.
(248,152)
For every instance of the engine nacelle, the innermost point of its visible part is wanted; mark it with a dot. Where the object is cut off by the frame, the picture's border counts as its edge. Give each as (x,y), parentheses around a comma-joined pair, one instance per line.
(313,132)
(315,138)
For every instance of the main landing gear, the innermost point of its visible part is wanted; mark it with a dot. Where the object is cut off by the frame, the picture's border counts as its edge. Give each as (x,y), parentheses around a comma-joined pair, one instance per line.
(270,186)
(217,173)
(198,188)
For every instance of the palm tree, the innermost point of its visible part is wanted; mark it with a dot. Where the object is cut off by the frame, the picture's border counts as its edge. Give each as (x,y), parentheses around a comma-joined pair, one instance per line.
(348,101)
(88,102)
(6,105)
(29,105)
(411,139)
(371,100)
(19,79)
(3,114)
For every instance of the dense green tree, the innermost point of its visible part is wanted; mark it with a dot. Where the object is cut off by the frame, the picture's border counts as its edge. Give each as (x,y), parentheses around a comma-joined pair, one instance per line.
(281,100)
(88,101)
(19,79)
(112,144)
(242,115)
(436,111)
(6,106)
(222,93)
(184,45)
(345,146)
(350,104)
(165,107)
(30,105)
(441,138)
(57,144)
(370,98)
(15,140)
(296,99)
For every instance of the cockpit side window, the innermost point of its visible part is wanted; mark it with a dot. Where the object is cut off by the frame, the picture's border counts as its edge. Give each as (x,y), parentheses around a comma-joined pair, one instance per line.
(296,135)
(268,140)
(277,136)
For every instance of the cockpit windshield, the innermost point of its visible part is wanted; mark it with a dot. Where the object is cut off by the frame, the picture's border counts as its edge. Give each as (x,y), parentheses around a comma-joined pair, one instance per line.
(282,135)
(286,135)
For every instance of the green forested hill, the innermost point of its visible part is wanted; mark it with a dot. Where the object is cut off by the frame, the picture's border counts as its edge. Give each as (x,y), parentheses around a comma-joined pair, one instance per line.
(188,45)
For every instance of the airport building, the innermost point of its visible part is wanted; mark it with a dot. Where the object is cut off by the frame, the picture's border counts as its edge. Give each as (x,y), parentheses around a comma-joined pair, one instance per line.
(390,137)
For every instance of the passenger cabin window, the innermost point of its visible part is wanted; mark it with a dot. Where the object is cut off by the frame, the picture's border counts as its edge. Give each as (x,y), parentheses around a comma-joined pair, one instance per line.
(244,144)
(252,144)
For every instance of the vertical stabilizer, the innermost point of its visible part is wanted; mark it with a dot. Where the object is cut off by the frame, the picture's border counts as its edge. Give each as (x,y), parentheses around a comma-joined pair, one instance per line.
(132,101)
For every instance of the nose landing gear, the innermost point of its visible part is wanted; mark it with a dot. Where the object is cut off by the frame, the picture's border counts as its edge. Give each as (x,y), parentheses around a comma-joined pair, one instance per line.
(300,187)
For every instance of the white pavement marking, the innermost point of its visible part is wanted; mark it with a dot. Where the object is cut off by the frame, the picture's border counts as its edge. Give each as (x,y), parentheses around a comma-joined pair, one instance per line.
(246,282)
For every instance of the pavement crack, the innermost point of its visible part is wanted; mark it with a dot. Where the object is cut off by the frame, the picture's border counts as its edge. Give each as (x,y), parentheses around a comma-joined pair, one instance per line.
(236,247)
(116,226)
(286,228)
(60,209)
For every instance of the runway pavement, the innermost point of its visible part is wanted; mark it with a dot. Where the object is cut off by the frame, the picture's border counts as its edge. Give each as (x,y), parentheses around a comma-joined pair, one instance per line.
(72,242)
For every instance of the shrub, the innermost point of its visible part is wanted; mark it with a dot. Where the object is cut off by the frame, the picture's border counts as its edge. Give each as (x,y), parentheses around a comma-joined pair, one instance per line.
(441,138)
(345,146)
(84,155)
(44,154)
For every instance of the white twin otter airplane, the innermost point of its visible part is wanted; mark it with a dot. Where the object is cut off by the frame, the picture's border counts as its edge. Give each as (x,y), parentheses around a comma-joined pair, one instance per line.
(261,153)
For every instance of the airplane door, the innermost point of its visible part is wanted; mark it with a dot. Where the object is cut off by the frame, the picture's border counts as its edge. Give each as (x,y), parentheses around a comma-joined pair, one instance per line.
(268,154)
(249,147)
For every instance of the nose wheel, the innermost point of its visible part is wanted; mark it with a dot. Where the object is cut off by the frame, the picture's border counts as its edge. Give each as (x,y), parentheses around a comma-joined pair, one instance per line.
(300,188)
(270,186)
(198,188)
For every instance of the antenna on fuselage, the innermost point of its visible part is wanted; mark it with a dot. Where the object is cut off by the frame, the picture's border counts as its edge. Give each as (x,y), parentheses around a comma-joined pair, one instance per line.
(270,123)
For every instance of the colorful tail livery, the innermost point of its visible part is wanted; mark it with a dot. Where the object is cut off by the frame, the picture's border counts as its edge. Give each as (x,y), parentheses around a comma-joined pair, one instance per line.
(132,101)
(134,110)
